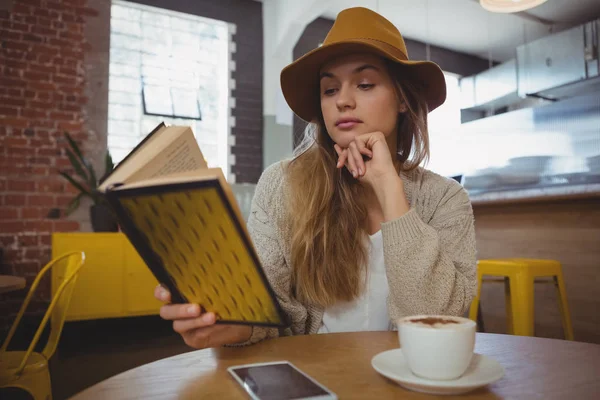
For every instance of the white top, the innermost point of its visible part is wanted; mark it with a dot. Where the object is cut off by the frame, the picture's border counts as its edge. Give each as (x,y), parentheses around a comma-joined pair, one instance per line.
(369,311)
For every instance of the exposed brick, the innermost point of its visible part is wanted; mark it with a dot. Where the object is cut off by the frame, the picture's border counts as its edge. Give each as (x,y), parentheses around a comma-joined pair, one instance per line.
(65,226)
(11,112)
(21,186)
(20,8)
(41,200)
(11,82)
(31,213)
(7,240)
(11,226)
(30,37)
(19,46)
(15,141)
(14,122)
(41,86)
(7,213)
(38,226)
(42,30)
(16,200)
(35,3)
(27,269)
(12,35)
(28,240)
(13,101)
(33,114)
(45,239)
(34,254)
(42,105)
(48,152)
(36,76)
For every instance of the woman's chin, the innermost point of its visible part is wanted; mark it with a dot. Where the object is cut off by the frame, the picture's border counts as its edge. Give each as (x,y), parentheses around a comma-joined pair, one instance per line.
(344,138)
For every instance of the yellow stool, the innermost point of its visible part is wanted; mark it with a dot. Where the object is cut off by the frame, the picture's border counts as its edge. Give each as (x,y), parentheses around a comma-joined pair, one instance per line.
(519,276)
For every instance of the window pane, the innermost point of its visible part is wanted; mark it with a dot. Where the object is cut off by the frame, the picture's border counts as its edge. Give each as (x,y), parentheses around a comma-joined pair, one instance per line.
(157,100)
(171,64)
(185,103)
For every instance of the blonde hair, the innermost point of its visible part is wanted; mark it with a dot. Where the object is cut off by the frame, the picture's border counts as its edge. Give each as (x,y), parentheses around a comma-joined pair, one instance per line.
(327,207)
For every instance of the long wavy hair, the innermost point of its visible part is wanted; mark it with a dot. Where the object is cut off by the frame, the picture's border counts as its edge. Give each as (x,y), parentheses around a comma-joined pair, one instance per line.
(327,205)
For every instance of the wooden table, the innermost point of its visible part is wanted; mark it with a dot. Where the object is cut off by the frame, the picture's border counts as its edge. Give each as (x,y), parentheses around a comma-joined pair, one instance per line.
(535,368)
(9,283)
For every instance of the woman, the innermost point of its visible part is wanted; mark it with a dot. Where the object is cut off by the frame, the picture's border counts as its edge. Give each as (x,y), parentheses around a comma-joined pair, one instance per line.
(352,233)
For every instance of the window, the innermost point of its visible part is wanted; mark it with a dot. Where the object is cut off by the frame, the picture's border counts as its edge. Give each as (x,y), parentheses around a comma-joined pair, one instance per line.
(444,127)
(171,67)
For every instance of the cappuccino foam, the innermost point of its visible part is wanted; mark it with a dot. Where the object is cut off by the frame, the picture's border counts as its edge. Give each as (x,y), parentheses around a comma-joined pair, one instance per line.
(435,322)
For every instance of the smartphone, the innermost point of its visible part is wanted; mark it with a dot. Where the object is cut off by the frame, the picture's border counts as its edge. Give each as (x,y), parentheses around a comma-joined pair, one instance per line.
(280,380)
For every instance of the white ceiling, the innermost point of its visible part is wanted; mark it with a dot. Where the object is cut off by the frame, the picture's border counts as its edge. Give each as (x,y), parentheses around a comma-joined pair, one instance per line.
(464,26)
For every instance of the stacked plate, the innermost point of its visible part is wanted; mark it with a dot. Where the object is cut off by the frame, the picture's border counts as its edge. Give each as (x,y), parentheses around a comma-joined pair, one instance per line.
(593,164)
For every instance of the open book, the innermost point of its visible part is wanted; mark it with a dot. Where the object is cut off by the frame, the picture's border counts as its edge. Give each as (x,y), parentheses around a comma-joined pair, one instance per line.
(184,221)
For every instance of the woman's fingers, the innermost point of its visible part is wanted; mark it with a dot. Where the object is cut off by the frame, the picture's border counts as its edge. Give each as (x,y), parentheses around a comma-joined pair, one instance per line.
(179,311)
(185,325)
(342,156)
(363,149)
(357,159)
(162,294)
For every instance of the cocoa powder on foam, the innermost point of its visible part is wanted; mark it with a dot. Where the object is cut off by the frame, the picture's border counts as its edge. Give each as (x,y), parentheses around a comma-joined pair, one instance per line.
(433,320)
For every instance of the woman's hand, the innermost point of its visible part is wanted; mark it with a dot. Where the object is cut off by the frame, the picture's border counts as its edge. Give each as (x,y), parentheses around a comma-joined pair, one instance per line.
(378,166)
(378,171)
(198,329)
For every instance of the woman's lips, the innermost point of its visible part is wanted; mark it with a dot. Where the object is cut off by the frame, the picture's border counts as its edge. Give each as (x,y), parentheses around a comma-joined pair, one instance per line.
(347,125)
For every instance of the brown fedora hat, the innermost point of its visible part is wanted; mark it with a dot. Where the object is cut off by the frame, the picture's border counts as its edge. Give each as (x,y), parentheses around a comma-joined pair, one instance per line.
(357,30)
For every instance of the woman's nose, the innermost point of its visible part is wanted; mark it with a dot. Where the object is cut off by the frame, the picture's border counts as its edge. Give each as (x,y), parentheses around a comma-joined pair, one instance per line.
(345,98)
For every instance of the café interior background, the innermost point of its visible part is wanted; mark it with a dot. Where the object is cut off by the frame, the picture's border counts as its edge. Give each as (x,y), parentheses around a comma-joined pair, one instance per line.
(520,128)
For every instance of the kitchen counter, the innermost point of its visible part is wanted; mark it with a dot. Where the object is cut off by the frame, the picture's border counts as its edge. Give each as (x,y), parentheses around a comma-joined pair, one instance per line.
(539,194)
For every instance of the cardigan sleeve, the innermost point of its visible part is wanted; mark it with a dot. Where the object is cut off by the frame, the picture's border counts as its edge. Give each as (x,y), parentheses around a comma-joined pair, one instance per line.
(431,266)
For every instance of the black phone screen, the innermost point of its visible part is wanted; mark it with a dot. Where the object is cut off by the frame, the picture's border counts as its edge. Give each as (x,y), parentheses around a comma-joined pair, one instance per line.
(279,381)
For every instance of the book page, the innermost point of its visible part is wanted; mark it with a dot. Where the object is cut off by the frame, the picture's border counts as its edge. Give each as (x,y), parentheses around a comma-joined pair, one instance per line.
(171,150)
(182,155)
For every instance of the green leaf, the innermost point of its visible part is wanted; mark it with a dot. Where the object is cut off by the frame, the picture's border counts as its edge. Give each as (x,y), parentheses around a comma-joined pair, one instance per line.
(90,177)
(75,148)
(74,204)
(92,181)
(109,165)
(77,166)
(77,185)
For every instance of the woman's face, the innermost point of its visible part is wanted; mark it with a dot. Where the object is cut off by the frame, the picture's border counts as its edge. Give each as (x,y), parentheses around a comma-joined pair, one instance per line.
(358,96)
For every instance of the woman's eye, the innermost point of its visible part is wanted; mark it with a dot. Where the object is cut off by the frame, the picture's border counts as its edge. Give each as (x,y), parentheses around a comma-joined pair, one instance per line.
(365,86)
(328,92)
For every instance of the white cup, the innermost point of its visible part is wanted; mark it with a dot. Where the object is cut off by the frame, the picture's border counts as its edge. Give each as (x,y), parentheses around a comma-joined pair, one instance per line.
(437,347)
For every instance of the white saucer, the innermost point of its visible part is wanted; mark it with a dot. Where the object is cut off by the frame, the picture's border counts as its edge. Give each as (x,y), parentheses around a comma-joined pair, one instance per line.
(482,371)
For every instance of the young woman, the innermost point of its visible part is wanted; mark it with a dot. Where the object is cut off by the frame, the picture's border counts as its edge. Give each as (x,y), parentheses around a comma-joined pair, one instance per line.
(353,234)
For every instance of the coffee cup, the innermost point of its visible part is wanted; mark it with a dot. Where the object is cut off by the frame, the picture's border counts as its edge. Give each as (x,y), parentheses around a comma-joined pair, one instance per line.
(437,347)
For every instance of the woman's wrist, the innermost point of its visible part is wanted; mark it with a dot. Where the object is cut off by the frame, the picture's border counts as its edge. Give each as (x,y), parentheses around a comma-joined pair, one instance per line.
(391,197)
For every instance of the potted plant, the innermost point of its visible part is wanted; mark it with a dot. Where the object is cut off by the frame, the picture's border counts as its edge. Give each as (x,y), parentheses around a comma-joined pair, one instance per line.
(86,182)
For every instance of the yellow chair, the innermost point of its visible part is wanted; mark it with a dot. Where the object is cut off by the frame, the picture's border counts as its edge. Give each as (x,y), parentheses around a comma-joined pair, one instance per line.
(28,370)
(519,277)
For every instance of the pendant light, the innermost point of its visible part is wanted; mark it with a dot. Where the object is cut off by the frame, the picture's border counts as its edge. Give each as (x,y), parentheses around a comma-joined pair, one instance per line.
(510,6)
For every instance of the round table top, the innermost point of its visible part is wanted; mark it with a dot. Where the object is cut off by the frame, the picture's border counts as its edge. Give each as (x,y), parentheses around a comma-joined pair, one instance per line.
(8,283)
(534,368)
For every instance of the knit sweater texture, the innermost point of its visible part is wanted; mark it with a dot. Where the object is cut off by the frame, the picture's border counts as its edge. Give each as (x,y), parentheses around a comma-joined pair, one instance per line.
(429,252)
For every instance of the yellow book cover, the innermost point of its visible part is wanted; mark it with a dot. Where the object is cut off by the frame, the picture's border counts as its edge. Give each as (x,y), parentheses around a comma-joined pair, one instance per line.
(187,227)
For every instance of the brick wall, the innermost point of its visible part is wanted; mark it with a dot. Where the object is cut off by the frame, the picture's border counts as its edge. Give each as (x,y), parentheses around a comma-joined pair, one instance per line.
(42,95)
(248,58)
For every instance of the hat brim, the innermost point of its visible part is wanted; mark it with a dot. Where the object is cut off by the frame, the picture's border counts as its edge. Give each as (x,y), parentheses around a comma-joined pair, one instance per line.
(300,79)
